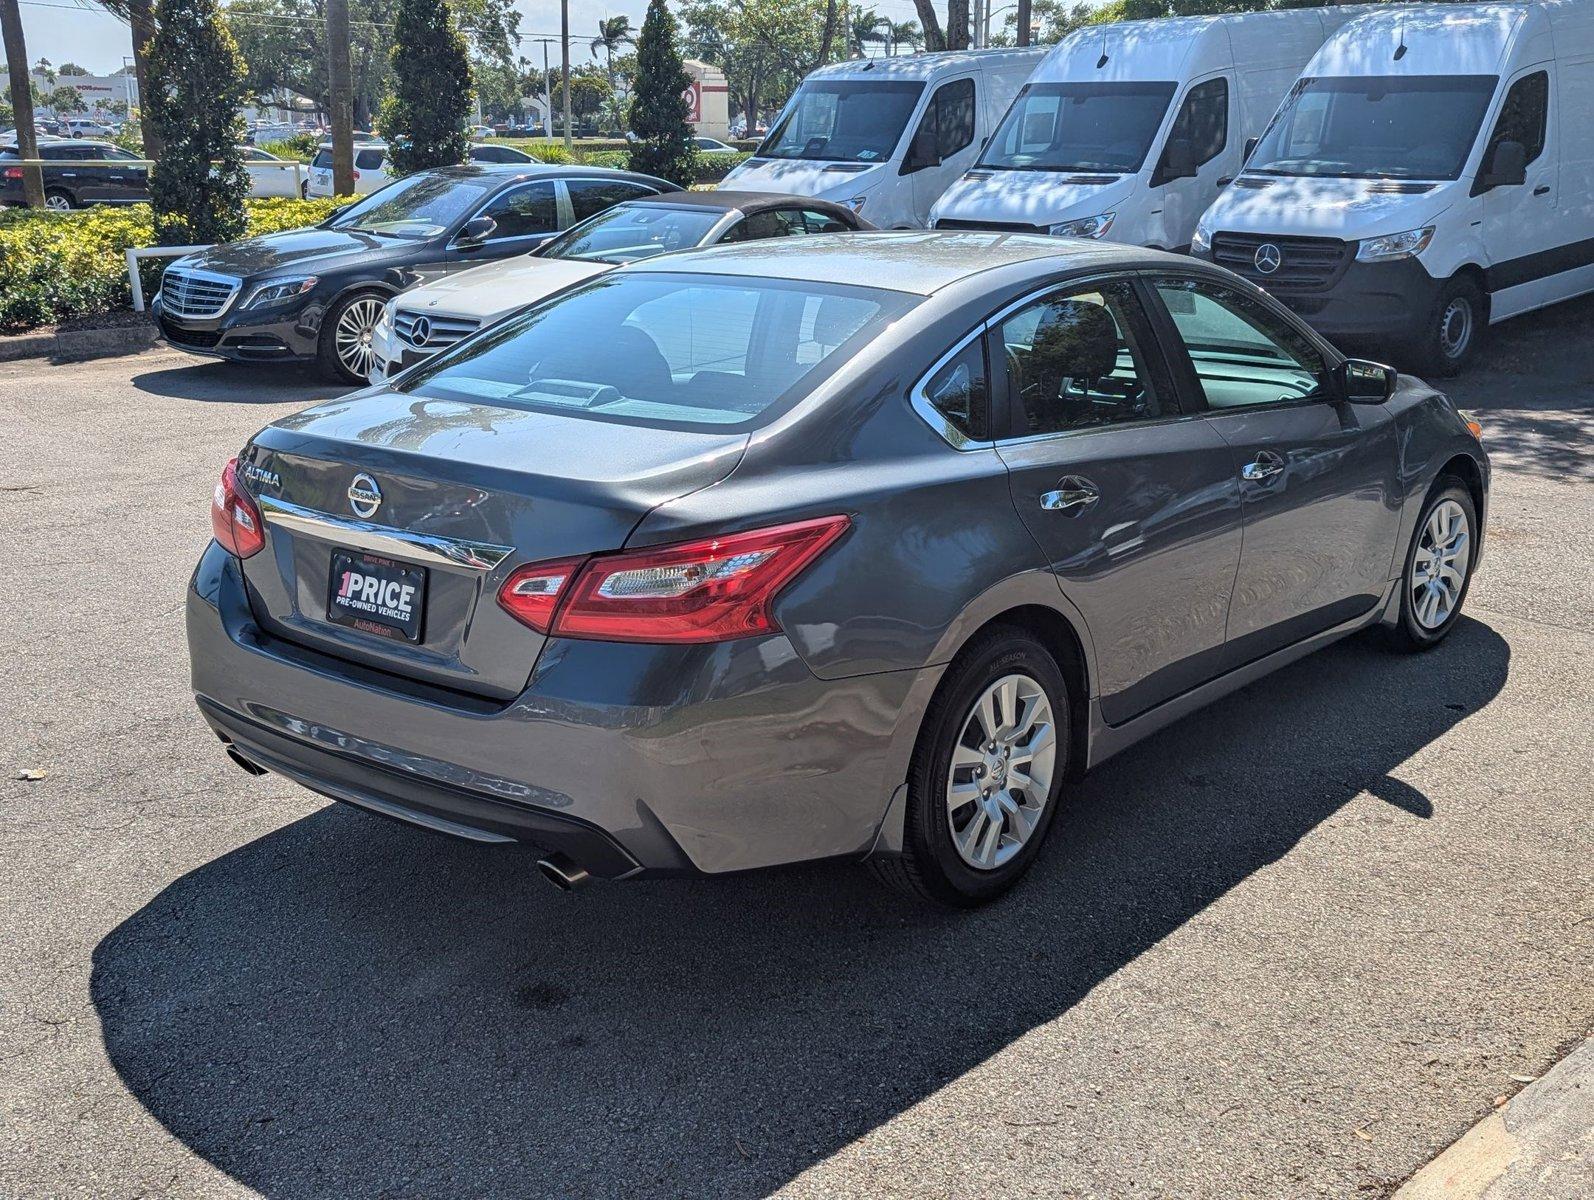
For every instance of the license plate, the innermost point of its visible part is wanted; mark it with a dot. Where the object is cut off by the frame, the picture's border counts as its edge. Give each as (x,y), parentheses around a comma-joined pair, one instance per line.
(376,595)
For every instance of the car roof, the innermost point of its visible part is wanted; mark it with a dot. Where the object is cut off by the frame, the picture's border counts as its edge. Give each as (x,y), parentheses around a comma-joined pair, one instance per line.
(921,262)
(536,170)
(747,202)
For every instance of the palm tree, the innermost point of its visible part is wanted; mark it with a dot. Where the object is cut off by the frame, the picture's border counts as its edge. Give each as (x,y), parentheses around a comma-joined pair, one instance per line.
(865,26)
(613,32)
(904,33)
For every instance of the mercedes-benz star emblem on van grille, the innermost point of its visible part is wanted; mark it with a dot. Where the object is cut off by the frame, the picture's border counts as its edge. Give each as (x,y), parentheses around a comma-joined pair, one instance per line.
(364,496)
(421,331)
(1268,258)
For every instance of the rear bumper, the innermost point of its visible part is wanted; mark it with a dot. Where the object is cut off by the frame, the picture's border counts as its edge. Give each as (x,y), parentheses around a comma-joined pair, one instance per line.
(629,758)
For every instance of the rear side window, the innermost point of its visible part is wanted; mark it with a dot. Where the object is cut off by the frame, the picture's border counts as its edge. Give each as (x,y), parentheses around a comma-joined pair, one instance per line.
(591,196)
(1074,361)
(959,390)
(1203,120)
(671,350)
(1524,116)
(1243,353)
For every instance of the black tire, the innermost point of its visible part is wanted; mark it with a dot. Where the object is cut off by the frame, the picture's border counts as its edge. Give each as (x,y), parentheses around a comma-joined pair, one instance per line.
(1452,329)
(1410,633)
(60,195)
(327,359)
(930,866)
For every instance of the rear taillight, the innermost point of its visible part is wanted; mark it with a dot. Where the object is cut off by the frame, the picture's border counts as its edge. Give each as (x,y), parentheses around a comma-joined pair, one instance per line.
(12,173)
(711,590)
(234,518)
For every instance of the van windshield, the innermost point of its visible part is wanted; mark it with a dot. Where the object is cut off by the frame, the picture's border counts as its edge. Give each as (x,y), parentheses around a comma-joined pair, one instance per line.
(843,120)
(1368,127)
(1079,127)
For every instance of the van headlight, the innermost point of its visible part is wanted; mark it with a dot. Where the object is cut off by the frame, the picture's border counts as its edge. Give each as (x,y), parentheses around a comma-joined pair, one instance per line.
(279,291)
(1201,239)
(1394,245)
(1084,227)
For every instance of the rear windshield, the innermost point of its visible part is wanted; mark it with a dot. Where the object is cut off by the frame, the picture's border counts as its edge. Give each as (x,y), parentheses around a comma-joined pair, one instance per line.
(1373,126)
(669,350)
(322,159)
(1079,127)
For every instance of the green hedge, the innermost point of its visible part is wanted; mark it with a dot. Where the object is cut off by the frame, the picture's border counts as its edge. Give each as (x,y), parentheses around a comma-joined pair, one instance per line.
(711,168)
(57,266)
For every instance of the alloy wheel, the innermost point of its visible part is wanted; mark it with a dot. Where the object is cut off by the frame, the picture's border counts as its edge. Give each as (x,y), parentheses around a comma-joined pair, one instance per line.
(56,202)
(1439,567)
(352,337)
(1001,774)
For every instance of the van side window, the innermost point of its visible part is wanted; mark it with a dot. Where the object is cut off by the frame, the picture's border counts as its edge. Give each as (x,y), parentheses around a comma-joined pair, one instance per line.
(954,116)
(1203,120)
(1074,361)
(1523,116)
(1243,354)
(960,392)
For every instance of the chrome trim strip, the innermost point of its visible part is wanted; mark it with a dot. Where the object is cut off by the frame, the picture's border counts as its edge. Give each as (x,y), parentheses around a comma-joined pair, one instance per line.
(383,539)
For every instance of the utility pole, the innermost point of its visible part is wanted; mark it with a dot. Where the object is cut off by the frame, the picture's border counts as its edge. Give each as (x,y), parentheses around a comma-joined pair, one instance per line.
(340,96)
(1023,22)
(22,100)
(547,94)
(564,54)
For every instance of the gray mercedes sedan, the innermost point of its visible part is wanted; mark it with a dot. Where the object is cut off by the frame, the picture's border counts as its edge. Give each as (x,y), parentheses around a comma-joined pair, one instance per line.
(855,547)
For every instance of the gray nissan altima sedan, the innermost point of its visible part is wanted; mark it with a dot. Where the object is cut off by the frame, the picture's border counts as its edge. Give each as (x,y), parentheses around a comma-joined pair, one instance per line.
(854,547)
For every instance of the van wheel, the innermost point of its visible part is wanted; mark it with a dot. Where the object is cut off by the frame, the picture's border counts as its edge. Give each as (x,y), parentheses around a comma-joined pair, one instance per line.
(986,774)
(1438,568)
(344,351)
(1450,334)
(57,200)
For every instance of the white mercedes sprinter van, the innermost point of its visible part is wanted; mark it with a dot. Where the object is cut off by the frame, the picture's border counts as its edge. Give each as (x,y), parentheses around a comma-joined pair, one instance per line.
(1432,172)
(886,135)
(1128,131)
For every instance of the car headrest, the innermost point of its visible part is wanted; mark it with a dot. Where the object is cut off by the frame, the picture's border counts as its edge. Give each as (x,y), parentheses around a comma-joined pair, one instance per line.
(1076,340)
(836,321)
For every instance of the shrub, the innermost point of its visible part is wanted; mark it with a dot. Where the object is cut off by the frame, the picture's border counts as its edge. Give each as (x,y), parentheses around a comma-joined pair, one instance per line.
(58,266)
(659,107)
(424,118)
(300,147)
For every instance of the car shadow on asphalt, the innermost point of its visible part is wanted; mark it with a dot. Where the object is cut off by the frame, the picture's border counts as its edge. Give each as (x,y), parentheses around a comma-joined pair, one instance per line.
(348,1007)
(212,381)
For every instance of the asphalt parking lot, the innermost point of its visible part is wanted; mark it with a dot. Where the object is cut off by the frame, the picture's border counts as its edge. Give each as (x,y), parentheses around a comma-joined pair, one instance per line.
(1292,946)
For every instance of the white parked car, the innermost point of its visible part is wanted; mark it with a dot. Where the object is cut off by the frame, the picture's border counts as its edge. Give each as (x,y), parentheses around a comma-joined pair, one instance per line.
(886,136)
(371,171)
(270,175)
(708,145)
(420,322)
(81,127)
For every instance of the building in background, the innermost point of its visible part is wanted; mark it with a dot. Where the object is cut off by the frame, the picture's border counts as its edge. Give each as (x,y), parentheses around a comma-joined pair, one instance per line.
(710,115)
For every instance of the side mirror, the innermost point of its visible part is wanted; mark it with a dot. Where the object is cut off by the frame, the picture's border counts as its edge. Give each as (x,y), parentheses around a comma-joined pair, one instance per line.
(1363,382)
(922,153)
(1250,147)
(1178,161)
(1507,165)
(476,231)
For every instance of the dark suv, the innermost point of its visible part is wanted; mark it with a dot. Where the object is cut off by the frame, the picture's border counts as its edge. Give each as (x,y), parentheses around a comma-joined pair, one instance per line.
(81,179)
(316,294)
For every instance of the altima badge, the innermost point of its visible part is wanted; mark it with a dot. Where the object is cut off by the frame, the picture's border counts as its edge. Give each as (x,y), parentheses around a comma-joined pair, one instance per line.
(364,496)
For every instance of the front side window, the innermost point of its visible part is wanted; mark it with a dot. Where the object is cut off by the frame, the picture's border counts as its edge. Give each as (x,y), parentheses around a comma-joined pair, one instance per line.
(960,391)
(629,232)
(1243,353)
(1074,361)
(1079,127)
(1203,120)
(950,114)
(661,349)
(588,197)
(1523,117)
(524,212)
(841,120)
(1375,126)
(418,206)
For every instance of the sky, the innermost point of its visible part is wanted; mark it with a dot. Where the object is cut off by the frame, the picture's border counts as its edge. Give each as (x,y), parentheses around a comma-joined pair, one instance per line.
(84,33)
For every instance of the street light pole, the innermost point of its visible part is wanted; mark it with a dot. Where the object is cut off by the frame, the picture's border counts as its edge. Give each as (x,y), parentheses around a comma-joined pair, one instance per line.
(564,55)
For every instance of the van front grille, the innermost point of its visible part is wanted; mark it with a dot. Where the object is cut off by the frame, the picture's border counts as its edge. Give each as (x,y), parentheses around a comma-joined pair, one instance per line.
(1303,264)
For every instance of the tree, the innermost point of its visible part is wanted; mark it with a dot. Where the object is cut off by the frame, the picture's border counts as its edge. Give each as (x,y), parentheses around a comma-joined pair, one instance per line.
(424,119)
(71,69)
(64,99)
(905,33)
(866,27)
(21,100)
(663,144)
(613,32)
(140,18)
(765,47)
(196,88)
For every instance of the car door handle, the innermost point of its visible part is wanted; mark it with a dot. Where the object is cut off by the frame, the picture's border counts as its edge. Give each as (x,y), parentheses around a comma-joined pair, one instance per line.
(1541,190)
(1073,494)
(1265,466)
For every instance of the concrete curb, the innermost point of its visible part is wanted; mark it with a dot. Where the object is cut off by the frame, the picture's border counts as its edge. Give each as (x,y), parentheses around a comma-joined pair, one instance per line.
(68,345)
(1538,1146)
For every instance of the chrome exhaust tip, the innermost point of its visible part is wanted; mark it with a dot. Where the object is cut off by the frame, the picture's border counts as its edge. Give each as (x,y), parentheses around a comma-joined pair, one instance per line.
(251,767)
(564,872)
